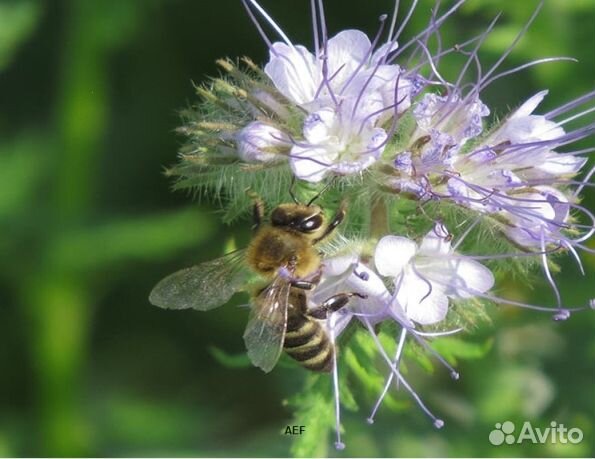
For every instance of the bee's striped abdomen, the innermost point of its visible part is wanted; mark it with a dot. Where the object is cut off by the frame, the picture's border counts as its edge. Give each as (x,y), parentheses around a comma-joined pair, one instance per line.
(307,342)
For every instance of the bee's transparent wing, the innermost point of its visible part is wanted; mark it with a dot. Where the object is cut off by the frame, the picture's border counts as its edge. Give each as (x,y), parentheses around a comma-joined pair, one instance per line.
(202,287)
(265,331)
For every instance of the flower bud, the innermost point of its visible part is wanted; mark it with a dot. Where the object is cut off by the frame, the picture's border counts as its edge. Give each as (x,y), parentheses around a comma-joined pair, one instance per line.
(260,142)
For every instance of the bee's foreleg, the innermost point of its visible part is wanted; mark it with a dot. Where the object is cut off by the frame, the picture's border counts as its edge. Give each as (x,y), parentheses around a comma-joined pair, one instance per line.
(336,221)
(332,304)
(257,210)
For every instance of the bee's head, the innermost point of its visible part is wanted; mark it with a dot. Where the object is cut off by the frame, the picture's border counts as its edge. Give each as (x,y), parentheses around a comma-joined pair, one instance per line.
(298,217)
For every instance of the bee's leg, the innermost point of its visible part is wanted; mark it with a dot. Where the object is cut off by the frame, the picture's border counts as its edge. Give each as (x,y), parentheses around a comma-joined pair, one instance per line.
(303,284)
(332,304)
(257,211)
(309,282)
(336,221)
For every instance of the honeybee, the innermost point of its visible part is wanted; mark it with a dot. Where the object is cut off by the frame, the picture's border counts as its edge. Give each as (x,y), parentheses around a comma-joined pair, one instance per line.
(282,251)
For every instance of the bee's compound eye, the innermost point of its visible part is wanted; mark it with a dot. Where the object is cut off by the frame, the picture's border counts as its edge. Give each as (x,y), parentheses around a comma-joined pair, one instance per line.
(311,224)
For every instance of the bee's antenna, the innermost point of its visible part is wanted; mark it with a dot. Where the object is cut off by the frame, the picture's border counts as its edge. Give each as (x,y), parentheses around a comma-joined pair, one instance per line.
(320,193)
(291,193)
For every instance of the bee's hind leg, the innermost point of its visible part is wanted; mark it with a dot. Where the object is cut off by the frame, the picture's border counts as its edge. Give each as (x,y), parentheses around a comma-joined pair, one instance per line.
(333,304)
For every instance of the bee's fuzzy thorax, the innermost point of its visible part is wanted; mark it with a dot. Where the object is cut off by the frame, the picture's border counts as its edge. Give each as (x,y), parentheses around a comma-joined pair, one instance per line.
(273,248)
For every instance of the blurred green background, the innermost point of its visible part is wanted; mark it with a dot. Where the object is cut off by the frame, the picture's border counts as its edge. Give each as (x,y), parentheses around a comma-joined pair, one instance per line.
(90,91)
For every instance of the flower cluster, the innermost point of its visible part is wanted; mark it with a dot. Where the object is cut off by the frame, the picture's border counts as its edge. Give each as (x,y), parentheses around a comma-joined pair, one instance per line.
(415,155)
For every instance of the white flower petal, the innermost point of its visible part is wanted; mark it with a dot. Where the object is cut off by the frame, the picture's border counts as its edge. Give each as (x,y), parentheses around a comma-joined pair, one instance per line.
(317,126)
(392,254)
(354,167)
(537,220)
(365,281)
(436,241)
(339,265)
(469,276)
(560,164)
(356,110)
(544,129)
(357,161)
(503,178)
(399,313)
(344,275)
(378,84)
(459,118)
(384,51)
(523,126)
(311,163)
(294,72)
(346,51)
(530,105)
(377,141)
(423,302)
(528,128)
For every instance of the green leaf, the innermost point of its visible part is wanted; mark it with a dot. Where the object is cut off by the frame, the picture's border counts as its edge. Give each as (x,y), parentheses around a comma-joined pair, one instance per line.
(456,348)
(418,355)
(143,238)
(313,409)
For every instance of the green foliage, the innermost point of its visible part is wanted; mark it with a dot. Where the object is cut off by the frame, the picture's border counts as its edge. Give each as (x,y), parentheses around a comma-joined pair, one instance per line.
(314,408)
(359,358)
(22,167)
(88,226)
(138,239)
(17,22)
(453,349)
(230,360)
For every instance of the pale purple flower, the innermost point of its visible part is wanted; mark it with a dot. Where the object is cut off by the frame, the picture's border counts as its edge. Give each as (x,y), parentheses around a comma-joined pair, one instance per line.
(516,172)
(347,68)
(432,155)
(443,126)
(336,143)
(523,145)
(427,276)
(349,91)
(545,213)
(348,274)
(459,118)
(524,126)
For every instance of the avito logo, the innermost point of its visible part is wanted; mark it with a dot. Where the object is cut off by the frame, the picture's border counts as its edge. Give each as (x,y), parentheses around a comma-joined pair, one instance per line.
(557,433)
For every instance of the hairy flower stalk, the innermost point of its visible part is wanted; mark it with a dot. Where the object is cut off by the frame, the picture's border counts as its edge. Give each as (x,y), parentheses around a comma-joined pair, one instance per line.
(440,194)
